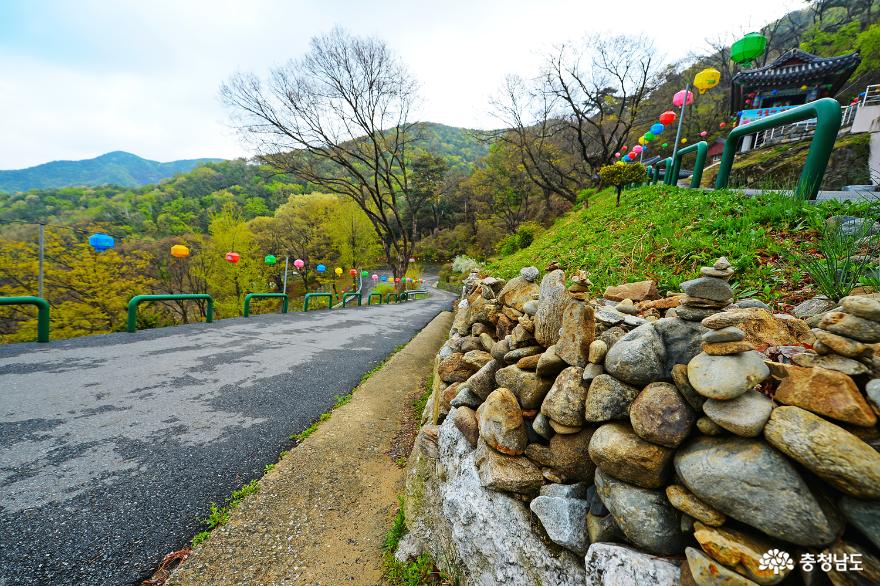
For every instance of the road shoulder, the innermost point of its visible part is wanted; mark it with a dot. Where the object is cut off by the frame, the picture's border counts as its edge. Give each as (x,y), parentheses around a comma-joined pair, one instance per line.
(321,514)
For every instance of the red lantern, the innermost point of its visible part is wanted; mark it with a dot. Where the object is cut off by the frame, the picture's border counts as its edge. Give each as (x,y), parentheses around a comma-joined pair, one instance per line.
(722,125)
(232,257)
(667,117)
(353,272)
(396,279)
(623,148)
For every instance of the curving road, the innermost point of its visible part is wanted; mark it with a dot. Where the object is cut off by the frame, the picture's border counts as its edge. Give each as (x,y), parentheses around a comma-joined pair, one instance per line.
(113,447)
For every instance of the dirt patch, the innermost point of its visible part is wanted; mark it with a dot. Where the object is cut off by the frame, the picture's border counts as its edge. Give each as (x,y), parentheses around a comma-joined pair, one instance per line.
(321,514)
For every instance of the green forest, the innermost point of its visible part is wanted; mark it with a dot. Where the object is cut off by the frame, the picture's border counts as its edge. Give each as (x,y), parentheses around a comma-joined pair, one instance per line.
(440,193)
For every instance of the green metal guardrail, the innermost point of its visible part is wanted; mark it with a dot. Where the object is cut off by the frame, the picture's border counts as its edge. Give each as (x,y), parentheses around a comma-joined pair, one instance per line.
(249,296)
(310,296)
(42,312)
(650,171)
(138,299)
(352,295)
(394,295)
(667,165)
(826,111)
(702,149)
(414,293)
(370,298)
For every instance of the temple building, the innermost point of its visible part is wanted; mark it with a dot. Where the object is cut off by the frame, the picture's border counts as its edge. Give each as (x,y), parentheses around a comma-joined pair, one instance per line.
(794,78)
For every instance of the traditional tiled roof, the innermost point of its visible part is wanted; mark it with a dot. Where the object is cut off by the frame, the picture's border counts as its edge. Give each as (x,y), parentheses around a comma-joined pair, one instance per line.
(798,67)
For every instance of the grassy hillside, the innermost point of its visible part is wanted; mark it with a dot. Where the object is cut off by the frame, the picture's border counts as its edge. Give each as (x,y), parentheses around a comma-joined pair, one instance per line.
(666,233)
(116,168)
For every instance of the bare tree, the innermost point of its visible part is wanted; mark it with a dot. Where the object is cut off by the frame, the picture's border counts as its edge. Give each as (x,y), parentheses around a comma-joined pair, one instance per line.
(578,112)
(338,117)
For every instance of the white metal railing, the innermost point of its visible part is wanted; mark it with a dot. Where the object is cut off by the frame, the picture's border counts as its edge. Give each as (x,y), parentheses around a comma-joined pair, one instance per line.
(800,130)
(872,95)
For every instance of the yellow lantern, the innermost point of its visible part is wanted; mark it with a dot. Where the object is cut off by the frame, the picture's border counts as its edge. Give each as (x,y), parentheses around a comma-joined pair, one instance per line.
(641,140)
(179,251)
(338,271)
(684,141)
(707,79)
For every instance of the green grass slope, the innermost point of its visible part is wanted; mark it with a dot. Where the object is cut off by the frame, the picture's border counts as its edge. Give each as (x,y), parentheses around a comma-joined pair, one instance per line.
(667,233)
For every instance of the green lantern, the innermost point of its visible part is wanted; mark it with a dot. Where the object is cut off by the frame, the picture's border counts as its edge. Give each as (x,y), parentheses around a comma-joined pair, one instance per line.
(747,48)
(665,144)
(365,274)
(270,259)
(649,136)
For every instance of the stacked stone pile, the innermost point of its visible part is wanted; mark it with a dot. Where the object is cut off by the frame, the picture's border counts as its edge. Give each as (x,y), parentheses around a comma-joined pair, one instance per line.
(651,438)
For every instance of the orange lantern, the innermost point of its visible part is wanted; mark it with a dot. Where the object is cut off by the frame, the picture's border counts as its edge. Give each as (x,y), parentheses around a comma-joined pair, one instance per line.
(179,251)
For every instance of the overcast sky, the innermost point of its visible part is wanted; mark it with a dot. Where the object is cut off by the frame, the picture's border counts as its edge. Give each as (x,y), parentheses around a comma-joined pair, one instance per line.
(79,78)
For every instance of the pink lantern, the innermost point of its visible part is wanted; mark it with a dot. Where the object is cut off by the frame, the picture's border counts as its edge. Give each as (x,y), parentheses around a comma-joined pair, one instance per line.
(704,134)
(637,149)
(299,263)
(375,277)
(679,98)
(232,257)
(617,155)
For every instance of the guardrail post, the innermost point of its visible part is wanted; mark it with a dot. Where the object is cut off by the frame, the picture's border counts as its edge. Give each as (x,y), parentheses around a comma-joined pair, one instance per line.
(351,295)
(310,296)
(247,301)
(827,114)
(133,303)
(370,298)
(42,312)
(667,170)
(702,149)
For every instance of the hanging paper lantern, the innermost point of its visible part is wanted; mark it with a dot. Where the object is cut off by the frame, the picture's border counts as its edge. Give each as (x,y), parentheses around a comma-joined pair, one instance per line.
(679,98)
(641,142)
(375,277)
(667,117)
(365,274)
(232,257)
(637,149)
(338,271)
(665,144)
(747,48)
(299,263)
(101,242)
(353,272)
(320,268)
(617,155)
(774,92)
(649,136)
(657,128)
(684,141)
(179,251)
(384,278)
(704,134)
(623,148)
(707,79)
(722,125)
(396,279)
(804,88)
(270,259)
(412,259)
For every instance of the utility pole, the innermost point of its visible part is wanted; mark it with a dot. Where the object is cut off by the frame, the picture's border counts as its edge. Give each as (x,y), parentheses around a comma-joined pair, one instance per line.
(40,275)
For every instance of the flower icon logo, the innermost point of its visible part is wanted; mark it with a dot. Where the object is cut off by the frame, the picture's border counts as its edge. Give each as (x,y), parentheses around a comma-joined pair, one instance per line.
(776,560)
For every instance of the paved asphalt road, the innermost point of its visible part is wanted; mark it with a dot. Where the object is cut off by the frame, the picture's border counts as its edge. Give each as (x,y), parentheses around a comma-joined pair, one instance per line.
(112,447)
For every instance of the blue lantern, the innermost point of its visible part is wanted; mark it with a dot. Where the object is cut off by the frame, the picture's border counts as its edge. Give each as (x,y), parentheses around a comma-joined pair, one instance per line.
(774,92)
(320,268)
(657,128)
(101,242)
(384,278)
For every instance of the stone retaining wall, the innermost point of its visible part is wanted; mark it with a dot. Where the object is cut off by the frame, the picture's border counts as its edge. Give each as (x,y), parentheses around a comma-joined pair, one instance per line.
(639,439)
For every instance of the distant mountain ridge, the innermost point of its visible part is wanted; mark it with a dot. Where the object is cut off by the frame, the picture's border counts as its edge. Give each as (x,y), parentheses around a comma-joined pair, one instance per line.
(114,168)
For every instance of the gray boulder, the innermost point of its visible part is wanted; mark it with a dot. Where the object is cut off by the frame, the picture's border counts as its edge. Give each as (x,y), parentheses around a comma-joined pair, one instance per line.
(564,520)
(552,301)
(608,399)
(638,358)
(681,340)
(748,480)
(609,564)
(644,515)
